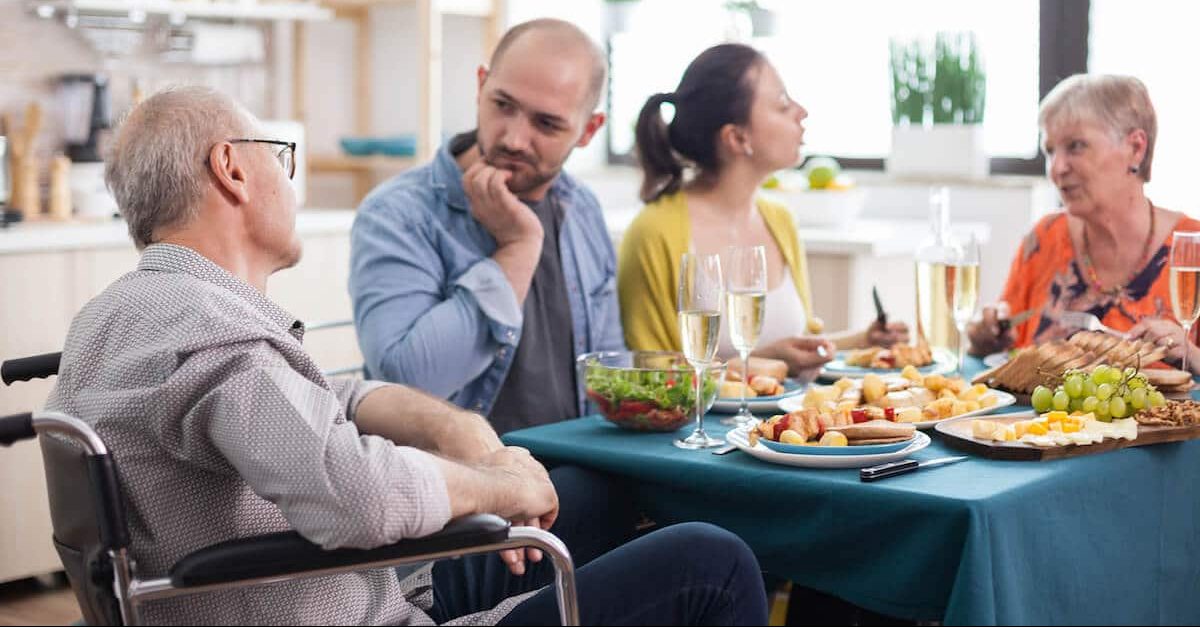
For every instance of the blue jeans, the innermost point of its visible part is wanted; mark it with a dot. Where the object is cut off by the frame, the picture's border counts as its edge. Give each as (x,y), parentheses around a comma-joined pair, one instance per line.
(686,574)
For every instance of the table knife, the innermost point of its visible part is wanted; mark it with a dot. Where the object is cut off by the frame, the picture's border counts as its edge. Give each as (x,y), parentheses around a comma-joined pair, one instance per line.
(891,469)
(1013,321)
(880,314)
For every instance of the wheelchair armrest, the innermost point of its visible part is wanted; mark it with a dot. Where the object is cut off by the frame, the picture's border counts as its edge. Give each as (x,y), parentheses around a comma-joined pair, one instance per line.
(287,553)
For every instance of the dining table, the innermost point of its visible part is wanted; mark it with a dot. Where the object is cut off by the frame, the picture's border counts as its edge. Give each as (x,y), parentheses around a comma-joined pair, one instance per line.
(1107,538)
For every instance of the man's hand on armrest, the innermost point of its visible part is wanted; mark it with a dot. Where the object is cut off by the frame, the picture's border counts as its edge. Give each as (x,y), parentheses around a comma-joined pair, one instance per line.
(509,483)
(409,417)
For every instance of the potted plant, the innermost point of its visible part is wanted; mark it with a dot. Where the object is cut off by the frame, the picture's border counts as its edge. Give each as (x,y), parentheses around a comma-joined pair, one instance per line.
(938,101)
(762,20)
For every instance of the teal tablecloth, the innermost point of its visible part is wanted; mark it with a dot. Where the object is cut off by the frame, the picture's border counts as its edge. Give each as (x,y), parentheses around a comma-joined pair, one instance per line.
(1112,538)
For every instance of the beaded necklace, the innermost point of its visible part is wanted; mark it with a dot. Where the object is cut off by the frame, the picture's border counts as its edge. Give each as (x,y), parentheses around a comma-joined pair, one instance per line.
(1090,269)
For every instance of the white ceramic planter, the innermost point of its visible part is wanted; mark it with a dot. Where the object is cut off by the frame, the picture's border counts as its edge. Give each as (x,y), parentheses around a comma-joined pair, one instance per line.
(619,14)
(763,22)
(942,150)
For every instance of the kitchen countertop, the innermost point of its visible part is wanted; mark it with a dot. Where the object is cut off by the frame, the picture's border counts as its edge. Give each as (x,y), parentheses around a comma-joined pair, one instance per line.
(45,236)
(870,237)
(873,237)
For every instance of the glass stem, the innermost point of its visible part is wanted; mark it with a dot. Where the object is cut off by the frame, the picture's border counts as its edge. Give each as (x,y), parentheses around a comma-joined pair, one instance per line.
(699,400)
(1187,345)
(962,350)
(745,355)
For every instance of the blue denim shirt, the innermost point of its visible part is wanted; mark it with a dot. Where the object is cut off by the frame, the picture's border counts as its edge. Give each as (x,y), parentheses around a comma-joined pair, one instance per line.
(434,311)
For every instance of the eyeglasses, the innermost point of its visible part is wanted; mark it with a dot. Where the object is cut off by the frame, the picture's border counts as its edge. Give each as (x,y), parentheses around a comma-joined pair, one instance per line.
(286,155)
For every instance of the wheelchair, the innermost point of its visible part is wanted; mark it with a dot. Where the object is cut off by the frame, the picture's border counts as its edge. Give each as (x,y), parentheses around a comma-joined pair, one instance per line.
(92,538)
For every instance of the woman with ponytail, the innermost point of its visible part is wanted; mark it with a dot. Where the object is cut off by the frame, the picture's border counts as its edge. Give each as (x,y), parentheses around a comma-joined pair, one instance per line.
(733,126)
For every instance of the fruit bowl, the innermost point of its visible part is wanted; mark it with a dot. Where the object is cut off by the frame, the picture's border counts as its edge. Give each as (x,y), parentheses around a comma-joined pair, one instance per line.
(820,207)
(645,390)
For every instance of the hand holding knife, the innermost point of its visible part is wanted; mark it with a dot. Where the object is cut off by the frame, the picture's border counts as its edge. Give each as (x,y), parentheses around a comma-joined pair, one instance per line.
(891,469)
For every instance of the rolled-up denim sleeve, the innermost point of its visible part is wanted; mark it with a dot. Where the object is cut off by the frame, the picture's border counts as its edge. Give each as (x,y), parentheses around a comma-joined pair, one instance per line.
(415,324)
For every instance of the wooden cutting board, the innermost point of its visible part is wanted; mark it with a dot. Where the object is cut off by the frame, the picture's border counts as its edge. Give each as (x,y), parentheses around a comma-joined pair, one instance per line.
(957,433)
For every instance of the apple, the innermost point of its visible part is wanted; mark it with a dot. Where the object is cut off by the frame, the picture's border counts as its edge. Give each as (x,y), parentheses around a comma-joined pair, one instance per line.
(822,171)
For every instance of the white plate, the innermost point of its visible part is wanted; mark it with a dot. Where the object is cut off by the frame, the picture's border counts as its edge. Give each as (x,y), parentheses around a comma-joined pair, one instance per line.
(760,404)
(996,359)
(1003,399)
(738,438)
(943,363)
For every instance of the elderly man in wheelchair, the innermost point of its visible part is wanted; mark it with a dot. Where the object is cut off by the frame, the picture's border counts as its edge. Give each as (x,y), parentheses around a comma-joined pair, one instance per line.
(232,460)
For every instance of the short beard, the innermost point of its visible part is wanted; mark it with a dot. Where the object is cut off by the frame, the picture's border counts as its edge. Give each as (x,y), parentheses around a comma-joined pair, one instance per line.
(520,183)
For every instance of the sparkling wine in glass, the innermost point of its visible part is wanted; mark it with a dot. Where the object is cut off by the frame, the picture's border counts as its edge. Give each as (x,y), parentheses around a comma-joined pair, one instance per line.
(701,292)
(1185,284)
(962,286)
(746,307)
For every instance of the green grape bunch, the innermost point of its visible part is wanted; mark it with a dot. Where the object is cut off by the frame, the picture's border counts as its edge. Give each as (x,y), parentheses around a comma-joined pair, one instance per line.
(1106,392)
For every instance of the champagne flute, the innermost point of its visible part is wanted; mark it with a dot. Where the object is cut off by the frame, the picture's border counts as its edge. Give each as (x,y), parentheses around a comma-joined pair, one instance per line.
(962,283)
(699,304)
(1185,284)
(746,297)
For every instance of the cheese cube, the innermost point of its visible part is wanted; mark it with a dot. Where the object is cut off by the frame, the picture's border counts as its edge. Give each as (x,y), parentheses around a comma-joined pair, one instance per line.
(983,428)
(791,437)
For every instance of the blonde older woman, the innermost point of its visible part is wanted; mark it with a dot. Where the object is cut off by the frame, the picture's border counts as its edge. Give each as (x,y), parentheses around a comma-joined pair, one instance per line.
(1107,252)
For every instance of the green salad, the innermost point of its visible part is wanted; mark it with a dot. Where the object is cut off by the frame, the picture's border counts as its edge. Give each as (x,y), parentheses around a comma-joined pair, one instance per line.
(657,400)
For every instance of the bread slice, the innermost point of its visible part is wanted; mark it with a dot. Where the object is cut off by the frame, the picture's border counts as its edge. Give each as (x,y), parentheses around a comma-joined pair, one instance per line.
(1163,378)
(758,366)
(866,442)
(875,429)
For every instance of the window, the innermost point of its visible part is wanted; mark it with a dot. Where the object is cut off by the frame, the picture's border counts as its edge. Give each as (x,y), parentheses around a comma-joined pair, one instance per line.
(836,64)
(1155,41)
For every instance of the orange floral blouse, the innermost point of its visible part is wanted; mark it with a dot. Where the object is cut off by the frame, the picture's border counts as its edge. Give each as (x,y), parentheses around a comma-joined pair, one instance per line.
(1046,274)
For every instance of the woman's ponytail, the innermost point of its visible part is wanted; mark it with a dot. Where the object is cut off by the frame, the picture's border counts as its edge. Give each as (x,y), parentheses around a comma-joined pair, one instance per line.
(662,171)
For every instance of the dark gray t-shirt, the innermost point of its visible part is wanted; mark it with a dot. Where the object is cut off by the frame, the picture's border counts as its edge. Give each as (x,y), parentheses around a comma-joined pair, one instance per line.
(540,387)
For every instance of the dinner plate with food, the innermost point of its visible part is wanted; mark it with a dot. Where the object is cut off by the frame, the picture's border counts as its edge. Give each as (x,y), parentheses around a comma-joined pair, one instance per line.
(911,397)
(811,440)
(767,386)
(859,363)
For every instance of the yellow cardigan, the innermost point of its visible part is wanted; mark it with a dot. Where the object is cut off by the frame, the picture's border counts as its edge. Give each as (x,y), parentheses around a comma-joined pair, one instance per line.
(648,268)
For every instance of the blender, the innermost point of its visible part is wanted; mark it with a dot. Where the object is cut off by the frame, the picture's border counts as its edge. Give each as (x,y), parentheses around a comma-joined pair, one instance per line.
(86,120)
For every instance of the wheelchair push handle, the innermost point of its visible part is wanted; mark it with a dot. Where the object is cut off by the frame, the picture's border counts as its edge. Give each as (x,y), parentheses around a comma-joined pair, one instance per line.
(16,427)
(26,368)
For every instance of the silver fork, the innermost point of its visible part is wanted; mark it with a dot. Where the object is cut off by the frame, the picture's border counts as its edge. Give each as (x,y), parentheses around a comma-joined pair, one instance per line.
(1088,322)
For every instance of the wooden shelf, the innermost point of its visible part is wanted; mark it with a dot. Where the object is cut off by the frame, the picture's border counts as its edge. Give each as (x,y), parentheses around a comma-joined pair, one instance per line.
(279,11)
(429,14)
(470,8)
(349,163)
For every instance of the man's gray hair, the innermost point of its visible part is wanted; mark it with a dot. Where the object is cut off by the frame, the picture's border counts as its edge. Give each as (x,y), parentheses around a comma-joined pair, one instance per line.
(158,167)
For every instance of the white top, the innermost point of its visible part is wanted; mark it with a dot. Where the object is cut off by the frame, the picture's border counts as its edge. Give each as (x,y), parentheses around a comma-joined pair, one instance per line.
(784,317)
